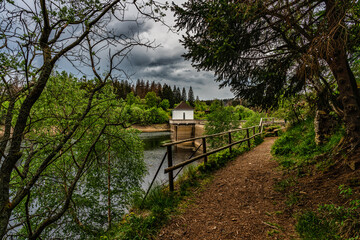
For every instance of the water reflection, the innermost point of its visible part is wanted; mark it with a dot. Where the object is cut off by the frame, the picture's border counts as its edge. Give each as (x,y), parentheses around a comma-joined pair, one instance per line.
(154,153)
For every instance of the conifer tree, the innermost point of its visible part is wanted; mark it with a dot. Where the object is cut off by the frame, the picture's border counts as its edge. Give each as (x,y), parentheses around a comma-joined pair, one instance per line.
(183,95)
(191,96)
(266,49)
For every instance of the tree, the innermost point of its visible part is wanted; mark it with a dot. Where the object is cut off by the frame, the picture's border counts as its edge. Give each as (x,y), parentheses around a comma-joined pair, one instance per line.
(140,88)
(122,89)
(183,95)
(153,87)
(177,94)
(168,94)
(269,49)
(152,100)
(113,151)
(191,98)
(164,104)
(158,89)
(147,87)
(35,37)
(220,119)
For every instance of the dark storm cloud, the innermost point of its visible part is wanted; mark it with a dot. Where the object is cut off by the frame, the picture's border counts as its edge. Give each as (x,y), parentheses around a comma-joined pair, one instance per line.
(160,56)
(166,60)
(163,64)
(130,28)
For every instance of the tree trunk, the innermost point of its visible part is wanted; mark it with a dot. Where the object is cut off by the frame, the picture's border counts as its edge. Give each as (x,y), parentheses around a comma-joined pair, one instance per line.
(14,153)
(109,190)
(5,211)
(349,95)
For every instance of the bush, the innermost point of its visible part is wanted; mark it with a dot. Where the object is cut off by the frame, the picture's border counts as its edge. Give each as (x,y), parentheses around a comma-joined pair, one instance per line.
(243,112)
(136,114)
(254,119)
(154,115)
(164,104)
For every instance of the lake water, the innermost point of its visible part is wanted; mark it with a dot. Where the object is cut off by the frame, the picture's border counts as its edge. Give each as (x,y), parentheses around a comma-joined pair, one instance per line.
(154,153)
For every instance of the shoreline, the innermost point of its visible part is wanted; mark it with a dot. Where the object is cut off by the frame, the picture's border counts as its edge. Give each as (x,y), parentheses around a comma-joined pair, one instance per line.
(163,127)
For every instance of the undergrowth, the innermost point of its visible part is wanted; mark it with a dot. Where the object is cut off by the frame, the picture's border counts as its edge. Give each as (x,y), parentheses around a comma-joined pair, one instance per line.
(296,147)
(147,217)
(331,221)
(295,151)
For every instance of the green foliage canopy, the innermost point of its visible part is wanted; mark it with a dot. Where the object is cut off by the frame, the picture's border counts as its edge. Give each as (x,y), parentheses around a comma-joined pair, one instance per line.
(151,99)
(265,49)
(110,155)
(220,119)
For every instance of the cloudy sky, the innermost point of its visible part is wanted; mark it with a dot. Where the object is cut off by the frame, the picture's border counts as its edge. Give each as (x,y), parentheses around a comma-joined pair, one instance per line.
(166,65)
(163,64)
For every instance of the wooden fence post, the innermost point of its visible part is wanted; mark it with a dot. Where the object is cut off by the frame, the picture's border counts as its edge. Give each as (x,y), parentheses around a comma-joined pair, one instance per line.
(171,180)
(230,148)
(176,132)
(248,137)
(204,149)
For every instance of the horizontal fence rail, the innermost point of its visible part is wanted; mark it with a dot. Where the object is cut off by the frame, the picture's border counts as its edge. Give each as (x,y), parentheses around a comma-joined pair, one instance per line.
(207,154)
(205,136)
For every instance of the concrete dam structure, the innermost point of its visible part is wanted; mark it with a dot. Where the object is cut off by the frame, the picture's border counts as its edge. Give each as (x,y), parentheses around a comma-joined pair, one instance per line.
(185,129)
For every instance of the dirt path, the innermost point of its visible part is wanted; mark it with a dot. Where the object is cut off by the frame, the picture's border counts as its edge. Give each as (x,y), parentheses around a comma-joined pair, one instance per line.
(240,203)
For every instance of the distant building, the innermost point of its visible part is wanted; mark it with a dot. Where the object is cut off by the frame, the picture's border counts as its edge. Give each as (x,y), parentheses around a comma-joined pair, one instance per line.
(183,112)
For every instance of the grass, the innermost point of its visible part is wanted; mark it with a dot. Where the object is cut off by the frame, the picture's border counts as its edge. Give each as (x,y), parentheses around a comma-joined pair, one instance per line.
(297,148)
(273,232)
(292,198)
(148,216)
(284,184)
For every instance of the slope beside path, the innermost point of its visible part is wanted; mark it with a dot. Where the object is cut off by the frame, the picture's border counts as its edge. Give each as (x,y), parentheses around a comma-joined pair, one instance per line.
(240,203)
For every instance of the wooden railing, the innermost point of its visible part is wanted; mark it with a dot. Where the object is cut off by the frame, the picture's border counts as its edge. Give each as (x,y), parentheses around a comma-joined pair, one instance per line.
(251,132)
(206,153)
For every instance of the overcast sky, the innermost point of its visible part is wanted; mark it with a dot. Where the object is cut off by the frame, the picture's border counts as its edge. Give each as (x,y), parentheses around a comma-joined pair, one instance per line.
(166,65)
(163,64)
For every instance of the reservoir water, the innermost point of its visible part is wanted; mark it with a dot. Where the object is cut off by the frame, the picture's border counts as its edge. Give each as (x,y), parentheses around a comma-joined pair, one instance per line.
(154,153)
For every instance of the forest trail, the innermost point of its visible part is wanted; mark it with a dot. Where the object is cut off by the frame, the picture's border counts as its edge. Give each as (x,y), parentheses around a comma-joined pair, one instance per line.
(239,203)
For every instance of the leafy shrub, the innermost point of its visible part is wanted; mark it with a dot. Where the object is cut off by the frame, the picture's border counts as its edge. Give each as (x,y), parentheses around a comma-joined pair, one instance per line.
(220,119)
(254,119)
(164,104)
(243,112)
(135,227)
(154,115)
(136,114)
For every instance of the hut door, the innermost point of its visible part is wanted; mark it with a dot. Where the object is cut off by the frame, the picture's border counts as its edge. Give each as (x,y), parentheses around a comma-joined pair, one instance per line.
(184,115)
